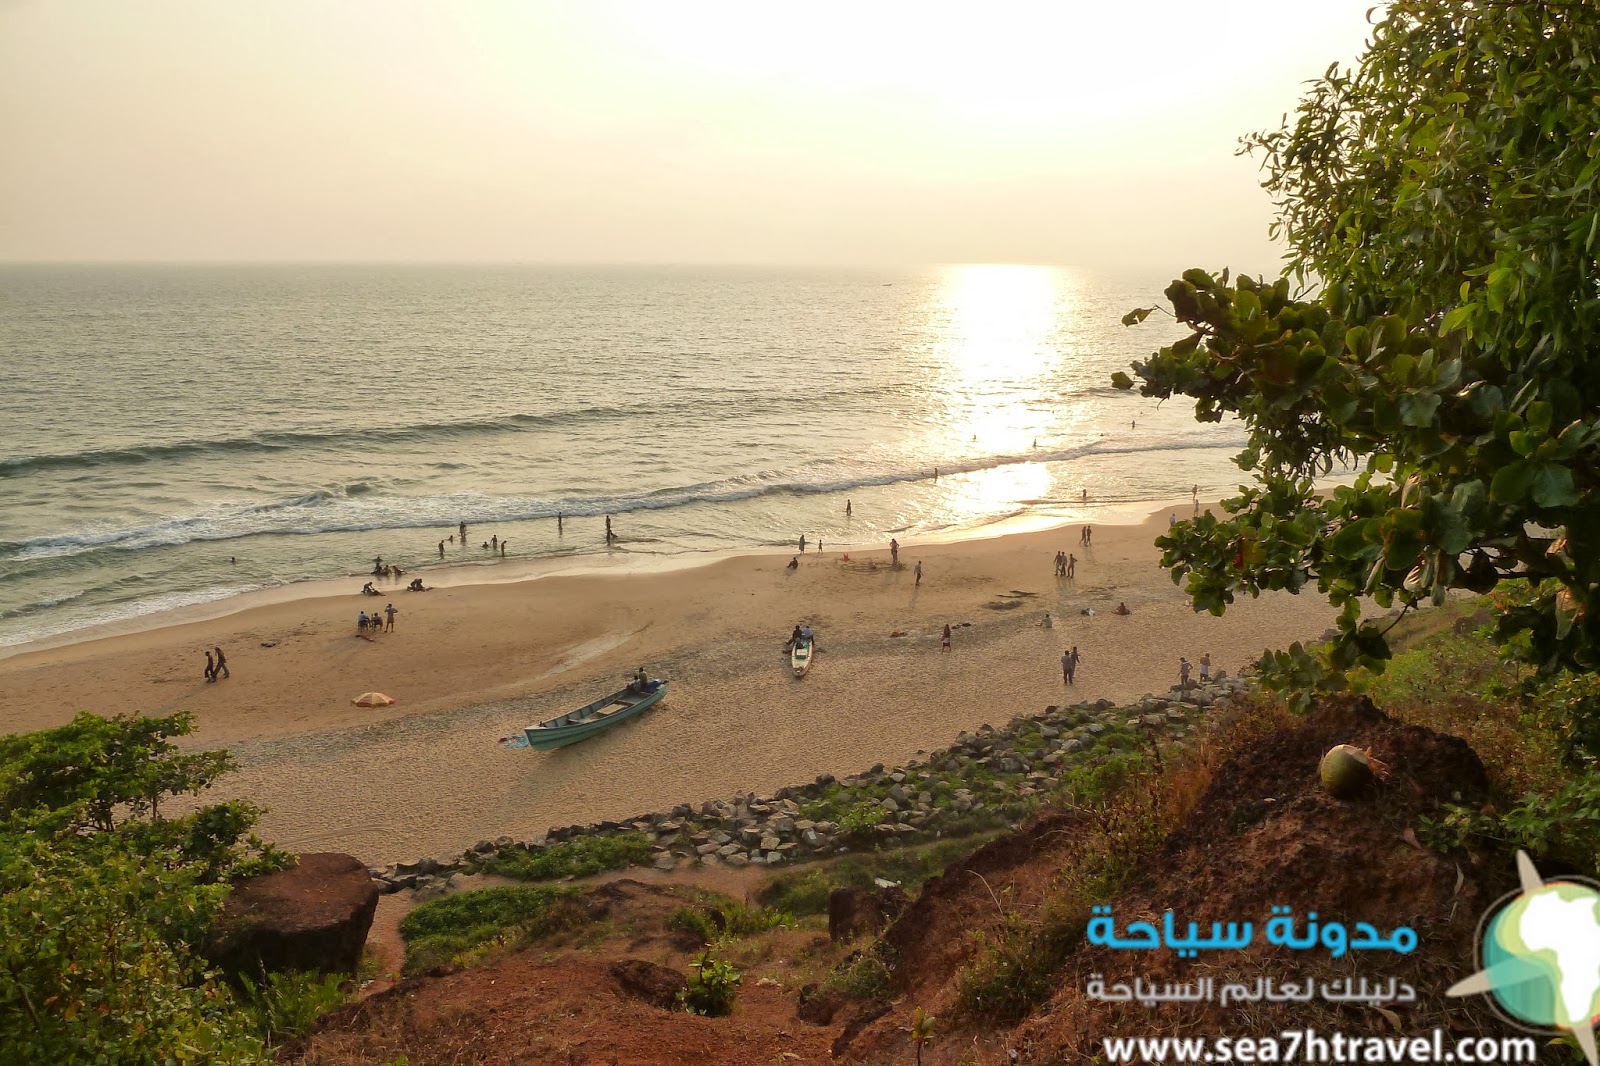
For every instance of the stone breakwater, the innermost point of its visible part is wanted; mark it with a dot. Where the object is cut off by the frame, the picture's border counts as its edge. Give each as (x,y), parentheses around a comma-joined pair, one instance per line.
(984,780)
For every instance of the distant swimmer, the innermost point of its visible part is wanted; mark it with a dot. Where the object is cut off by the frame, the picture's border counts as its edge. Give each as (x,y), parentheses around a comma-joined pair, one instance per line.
(494,541)
(441,549)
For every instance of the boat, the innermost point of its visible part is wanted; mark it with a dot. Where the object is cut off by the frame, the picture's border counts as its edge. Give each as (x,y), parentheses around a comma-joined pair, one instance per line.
(595,717)
(800,657)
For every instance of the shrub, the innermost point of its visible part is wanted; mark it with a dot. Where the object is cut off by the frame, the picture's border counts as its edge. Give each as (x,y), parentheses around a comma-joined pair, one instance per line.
(445,929)
(285,1005)
(713,987)
(579,857)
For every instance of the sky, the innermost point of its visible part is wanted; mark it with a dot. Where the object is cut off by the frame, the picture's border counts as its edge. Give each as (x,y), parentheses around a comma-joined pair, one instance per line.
(659,131)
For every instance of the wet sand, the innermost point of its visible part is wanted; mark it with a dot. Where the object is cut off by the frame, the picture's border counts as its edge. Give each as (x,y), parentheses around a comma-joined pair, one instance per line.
(469,664)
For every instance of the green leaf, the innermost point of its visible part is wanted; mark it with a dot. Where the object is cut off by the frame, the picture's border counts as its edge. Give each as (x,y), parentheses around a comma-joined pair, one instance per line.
(1511,483)
(1553,486)
(1121,380)
(1419,408)
(1136,316)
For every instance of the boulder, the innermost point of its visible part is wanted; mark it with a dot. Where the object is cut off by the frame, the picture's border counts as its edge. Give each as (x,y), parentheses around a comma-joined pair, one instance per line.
(656,985)
(312,916)
(854,911)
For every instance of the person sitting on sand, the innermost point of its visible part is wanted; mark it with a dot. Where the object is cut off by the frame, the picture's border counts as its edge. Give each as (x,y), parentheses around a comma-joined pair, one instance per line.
(416,585)
(368,590)
(1122,608)
(1047,624)
(794,562)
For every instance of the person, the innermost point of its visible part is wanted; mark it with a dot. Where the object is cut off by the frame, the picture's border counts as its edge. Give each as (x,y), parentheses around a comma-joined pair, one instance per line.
(463,534)
(1122,608)
(819,545)
(388,617)
(485,545)
(806,636)
(1075,660)
(441,549)
(397,571)
(1036,442)
(1047,623)
(558,523)
(1183,673)
(1085,495)
(919,572)
(1088,535)
(794,562)
(416,585)
(503,548)
(361,623)
(847,508)
(451,538)
(1060,564)
(494,542)
(368,590)
(1072,565)
(1067,666)
(802,544)
(1195,492)
(794,638)
(211,668)
(1205,668)
(936,473)
(1172,519)
(1083,535)
(894,552)
(610,536)
(1133,423)
(641,680)
(234,560)
(944,641)
(222,665)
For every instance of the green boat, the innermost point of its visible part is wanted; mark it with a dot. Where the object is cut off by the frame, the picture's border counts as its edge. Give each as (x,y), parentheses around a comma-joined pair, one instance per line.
(593,718)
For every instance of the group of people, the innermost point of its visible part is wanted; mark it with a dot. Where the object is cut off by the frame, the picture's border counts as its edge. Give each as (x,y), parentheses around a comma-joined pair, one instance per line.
(373,623)
(216,668)
(802,635)
(1185,667)
(1086,536)
(1066,565)
(1069,664)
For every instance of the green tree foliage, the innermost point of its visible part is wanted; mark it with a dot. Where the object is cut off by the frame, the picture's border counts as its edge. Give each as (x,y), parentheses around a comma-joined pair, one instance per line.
(103,900)
(1440,207)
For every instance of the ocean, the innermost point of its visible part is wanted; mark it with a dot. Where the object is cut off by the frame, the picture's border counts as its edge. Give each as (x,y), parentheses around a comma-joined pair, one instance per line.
(177,435)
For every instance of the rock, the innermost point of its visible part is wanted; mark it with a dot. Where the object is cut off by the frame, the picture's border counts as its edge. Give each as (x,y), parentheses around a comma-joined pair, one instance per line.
(656,985)
(312,916)
(665,861)
(1153,721)
(770,843)
(736,859)
(854,911)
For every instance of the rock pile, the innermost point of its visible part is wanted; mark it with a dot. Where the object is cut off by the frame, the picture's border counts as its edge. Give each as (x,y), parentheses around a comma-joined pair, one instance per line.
(991,778)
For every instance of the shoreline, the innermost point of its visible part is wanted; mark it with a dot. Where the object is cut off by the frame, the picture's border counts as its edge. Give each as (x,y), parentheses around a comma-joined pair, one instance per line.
(475,662)
(534,568)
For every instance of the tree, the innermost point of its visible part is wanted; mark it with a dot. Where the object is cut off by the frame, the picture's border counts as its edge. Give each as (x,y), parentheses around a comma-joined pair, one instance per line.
(1440,208)
(104,901)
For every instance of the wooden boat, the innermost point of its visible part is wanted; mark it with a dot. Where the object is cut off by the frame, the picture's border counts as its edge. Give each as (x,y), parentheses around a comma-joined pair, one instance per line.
(593,718)
(800,657)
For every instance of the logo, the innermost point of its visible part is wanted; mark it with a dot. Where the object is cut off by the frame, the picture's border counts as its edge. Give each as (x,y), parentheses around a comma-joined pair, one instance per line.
(1540,952)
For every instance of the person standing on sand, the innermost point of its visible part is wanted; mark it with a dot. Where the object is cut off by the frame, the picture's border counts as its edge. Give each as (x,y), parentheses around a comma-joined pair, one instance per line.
(847,508)
(894,552)
(222,665)
(610,536)
(1067,666)
(802,544)
(211,668)
(919,572)
(1072,565)
(1205,668)
(1183,673)
(944,641)
(389,612)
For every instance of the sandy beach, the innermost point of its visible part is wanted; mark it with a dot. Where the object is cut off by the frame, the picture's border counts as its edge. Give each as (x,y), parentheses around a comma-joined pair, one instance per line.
(471,663)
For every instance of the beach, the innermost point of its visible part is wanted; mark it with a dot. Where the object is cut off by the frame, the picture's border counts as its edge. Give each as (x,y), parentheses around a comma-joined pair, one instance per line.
(471,663)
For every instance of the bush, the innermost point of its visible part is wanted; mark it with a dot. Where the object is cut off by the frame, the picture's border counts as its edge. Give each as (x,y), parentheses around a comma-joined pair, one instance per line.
(713,987)
(444,929)
(285,1005)
(864,975)
(1563,826)
(579,857)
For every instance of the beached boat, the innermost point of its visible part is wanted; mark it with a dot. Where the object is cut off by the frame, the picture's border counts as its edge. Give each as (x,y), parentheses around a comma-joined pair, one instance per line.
(586,721)
(800,657)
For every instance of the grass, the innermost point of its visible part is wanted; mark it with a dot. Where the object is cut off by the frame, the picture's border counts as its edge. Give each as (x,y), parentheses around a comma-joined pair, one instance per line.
(714,918)
(285,1005)
(459,927)
(806,892)
(578,857)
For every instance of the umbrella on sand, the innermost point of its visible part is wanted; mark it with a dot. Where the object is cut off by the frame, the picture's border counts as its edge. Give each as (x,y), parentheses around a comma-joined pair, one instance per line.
(372,699)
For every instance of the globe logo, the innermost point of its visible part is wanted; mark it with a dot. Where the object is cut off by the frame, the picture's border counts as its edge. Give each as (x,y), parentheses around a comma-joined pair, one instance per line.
(1541,956)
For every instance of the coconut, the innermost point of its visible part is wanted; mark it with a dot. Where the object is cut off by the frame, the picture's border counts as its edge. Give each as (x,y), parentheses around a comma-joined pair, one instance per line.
(1346,771)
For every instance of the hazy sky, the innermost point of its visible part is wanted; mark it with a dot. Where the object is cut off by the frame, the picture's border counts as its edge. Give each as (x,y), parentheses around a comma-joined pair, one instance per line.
(1058,131)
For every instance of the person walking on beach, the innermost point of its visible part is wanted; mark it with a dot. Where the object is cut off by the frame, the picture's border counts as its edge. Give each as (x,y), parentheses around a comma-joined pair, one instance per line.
(1068,666)
(389,612)
(894,552)
(211,668)
(222,666)
(1072,565)
(919,572)
(944,641)
(1205,668)
(1088,536)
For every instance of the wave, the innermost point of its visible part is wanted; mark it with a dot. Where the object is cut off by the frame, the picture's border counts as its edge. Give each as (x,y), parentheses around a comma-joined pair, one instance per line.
(365,506)
(271,442)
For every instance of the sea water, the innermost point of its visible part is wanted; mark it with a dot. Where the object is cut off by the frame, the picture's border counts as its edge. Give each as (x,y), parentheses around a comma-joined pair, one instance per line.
(177,435)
